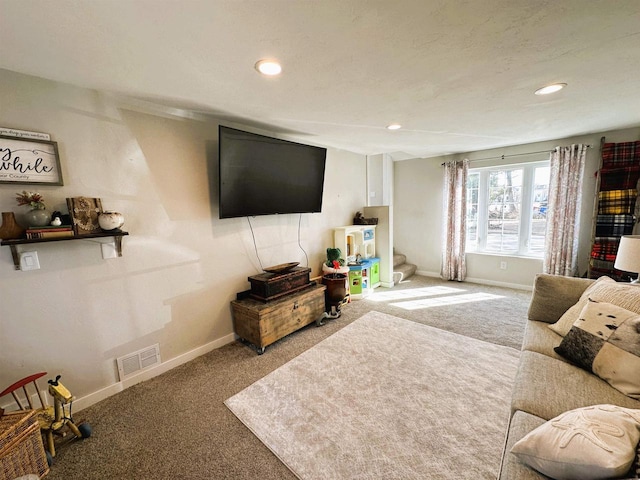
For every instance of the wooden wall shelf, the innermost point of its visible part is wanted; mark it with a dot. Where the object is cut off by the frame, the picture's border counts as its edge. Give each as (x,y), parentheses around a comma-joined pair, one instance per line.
(13,243)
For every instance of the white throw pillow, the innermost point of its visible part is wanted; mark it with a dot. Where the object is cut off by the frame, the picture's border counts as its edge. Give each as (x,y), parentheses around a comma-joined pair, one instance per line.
(604,289)
(589,443)
(605,340)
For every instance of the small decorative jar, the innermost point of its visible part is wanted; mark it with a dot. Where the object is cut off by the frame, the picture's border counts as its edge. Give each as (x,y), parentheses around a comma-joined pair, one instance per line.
(110,221)
(38,217)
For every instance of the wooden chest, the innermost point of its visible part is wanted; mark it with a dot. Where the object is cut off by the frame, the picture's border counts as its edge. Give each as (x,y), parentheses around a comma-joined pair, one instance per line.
(270,286)
(265,323)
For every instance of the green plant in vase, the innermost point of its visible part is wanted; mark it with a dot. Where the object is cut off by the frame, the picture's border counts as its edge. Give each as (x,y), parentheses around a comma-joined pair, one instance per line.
(38,216)
(334,260)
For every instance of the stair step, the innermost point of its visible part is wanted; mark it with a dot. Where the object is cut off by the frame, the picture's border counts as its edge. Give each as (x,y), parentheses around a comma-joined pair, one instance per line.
(398,259)
(403,272)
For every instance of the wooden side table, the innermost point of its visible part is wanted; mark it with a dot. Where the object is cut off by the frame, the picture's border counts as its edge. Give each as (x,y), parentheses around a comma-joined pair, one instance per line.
(263,323)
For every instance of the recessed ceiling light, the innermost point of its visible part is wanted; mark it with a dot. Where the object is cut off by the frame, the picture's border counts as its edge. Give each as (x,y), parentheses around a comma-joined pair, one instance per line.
(550,89)
(269,67)
(394,126)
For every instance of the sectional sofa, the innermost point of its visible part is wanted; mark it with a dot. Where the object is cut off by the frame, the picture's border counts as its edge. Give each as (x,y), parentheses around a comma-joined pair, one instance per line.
(549,384)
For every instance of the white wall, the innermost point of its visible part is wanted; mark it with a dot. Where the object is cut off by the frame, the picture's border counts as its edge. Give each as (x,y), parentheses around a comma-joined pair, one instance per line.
(418,204)
(379,180)
(181,265)
(375,181)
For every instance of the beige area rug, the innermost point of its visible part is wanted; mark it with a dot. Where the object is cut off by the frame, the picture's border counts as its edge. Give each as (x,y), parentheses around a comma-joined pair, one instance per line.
(386,398)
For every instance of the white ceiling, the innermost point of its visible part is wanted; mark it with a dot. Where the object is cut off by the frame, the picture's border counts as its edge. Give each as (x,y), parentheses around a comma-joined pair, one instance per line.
(459,75)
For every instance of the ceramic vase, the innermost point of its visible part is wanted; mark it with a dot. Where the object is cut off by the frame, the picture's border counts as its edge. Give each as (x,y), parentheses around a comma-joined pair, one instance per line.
(336,289)
(10,228)
(38,217)
(110,221)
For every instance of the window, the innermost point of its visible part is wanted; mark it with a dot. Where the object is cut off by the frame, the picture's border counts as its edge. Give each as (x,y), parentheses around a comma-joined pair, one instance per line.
(506,209)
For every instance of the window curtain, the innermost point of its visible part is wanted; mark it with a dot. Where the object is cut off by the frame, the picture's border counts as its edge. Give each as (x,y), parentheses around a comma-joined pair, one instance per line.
(563,214)
(455,220)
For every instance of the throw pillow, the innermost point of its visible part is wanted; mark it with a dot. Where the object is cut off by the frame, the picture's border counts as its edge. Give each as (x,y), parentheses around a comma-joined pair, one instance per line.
(605,340)
(604,289)
(588,443)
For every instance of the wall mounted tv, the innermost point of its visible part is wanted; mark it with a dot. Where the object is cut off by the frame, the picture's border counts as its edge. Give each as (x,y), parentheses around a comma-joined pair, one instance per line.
(261,175)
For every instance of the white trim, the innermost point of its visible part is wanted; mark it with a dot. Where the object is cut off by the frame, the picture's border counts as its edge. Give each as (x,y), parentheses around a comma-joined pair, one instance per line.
(95,397)
(481,281)
(424,273)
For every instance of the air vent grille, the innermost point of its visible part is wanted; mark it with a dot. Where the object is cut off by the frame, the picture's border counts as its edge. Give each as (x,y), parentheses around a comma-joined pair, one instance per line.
(137,361)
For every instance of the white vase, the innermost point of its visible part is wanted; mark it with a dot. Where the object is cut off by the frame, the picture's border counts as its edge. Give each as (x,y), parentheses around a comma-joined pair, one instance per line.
(110,221)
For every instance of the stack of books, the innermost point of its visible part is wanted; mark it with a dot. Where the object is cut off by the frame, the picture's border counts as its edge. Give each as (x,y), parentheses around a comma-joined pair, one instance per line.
(50,231)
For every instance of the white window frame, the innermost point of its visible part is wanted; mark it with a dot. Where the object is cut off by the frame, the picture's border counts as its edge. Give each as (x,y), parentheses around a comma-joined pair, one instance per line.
(528,193)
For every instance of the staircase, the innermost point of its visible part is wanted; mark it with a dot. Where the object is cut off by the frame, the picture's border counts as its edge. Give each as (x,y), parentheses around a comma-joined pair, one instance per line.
(401,269)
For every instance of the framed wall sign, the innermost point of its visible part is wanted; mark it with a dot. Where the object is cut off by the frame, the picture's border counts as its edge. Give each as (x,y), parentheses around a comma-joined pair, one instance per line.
(29,161)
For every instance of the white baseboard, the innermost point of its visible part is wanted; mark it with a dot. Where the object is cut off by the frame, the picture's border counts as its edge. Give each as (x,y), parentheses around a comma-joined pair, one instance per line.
(515,286)
(106,392)
(481,281)
(425,273)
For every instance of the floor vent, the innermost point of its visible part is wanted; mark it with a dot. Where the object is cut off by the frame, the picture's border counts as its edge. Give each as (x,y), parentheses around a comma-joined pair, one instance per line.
(138,361)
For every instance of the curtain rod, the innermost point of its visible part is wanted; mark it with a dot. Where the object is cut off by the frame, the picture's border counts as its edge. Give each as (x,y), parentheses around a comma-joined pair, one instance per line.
(502,157)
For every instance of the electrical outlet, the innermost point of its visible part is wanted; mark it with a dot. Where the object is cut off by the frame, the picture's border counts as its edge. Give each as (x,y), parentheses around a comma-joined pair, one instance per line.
(29,261)
(503,265)
(108,250)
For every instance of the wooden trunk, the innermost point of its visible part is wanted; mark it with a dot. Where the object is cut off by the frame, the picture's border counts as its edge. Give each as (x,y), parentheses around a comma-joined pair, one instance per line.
(271,286)
(265,323)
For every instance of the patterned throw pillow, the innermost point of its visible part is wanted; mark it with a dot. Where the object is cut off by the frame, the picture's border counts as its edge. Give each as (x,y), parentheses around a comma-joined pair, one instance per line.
(588,443)
(604,289)
(605,340)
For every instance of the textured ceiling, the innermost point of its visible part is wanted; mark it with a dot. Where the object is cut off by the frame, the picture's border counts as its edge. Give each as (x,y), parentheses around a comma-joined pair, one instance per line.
(458,75)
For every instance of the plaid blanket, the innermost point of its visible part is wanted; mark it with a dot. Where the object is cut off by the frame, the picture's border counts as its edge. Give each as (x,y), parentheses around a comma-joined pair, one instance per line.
(614,225)
(616,275)
(620,154)
(601,264)
(621,178)
(605,248)
(617,202)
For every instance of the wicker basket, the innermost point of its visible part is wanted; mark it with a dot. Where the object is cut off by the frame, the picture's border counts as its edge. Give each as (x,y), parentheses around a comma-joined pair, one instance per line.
(21,448)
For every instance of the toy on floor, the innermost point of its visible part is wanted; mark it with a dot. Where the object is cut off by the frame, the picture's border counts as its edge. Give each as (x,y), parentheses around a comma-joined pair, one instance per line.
(53,419)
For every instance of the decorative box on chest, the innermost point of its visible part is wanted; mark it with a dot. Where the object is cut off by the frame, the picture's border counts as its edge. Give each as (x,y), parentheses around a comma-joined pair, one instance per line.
(271,286)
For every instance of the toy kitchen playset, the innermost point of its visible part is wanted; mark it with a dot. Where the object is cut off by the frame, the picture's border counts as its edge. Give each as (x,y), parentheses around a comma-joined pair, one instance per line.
(358,244)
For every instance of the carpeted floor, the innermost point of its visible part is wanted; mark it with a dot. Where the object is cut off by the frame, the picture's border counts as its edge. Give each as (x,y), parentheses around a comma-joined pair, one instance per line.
(176,426)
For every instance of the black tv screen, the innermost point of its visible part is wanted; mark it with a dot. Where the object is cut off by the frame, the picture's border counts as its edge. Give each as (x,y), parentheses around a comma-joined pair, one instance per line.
(261,175)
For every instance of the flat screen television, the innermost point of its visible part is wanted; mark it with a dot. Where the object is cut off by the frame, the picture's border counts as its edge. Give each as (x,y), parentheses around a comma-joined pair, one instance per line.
(260,175)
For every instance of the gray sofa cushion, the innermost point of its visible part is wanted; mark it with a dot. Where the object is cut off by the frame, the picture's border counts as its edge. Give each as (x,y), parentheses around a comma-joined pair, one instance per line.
(538,337)
(511,469)
(546,387)
(553,295)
